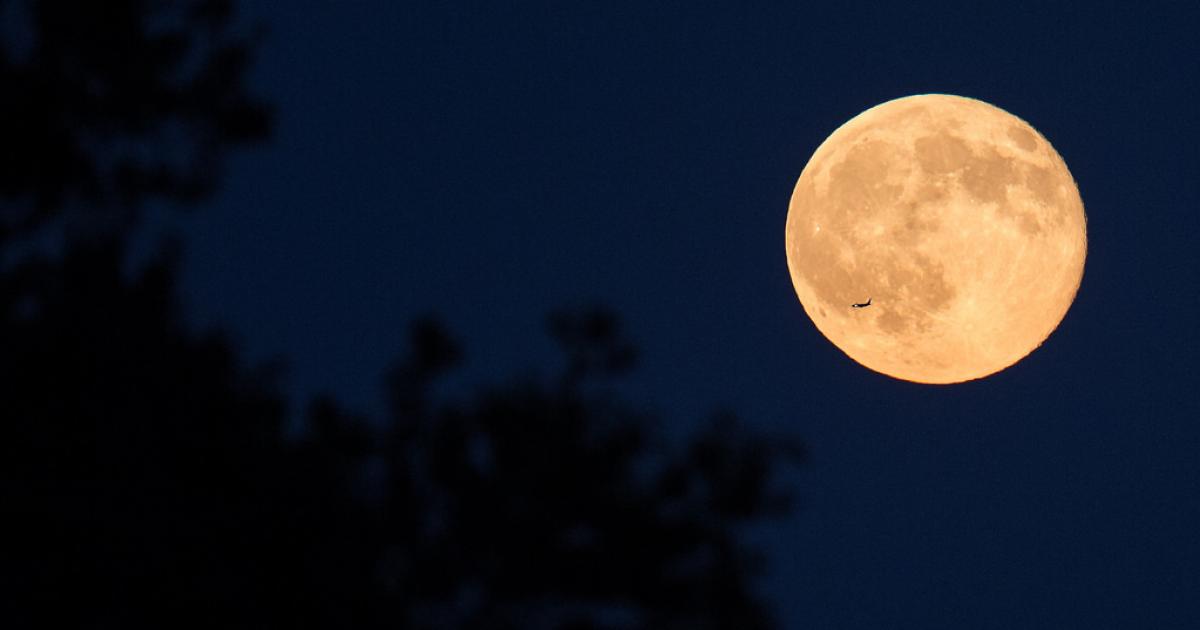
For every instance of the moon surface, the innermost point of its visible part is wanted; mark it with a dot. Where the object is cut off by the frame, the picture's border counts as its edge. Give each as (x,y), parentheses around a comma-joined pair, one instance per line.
(957,220)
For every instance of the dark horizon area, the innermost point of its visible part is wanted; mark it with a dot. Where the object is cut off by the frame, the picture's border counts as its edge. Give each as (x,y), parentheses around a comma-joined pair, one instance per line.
(444,226)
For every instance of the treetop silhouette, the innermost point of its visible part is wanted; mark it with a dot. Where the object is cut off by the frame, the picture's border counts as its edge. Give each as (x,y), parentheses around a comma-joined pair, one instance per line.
(146,477)
(110,104)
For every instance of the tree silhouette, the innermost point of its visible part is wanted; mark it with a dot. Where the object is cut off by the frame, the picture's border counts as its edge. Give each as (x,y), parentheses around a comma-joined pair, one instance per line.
(544,505)
(146,479)
(110,104)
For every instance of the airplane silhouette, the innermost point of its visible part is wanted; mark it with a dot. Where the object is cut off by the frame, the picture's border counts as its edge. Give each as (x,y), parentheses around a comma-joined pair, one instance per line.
(862,305)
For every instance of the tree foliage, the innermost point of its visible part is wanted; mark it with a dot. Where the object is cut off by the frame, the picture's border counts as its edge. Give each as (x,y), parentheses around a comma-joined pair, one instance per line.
(146,479)
(107,105)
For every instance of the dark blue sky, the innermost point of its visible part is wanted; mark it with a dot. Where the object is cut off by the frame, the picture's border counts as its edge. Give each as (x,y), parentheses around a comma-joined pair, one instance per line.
(489,163)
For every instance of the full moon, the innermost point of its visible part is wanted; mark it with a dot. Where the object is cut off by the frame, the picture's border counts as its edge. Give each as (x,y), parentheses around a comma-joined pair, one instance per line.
(936,238)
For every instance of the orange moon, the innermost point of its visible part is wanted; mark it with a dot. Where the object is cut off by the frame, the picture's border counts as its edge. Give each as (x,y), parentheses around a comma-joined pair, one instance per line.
(957,220)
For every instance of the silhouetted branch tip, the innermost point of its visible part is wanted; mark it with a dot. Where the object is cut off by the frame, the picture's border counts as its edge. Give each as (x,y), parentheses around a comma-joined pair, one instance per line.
(593,341)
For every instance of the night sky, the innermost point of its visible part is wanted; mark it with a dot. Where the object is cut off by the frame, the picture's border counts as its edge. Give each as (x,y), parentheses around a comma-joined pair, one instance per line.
(489,163)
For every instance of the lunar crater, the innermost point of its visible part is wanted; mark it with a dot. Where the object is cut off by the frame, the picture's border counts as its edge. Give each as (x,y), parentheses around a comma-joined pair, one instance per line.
(1022,138)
